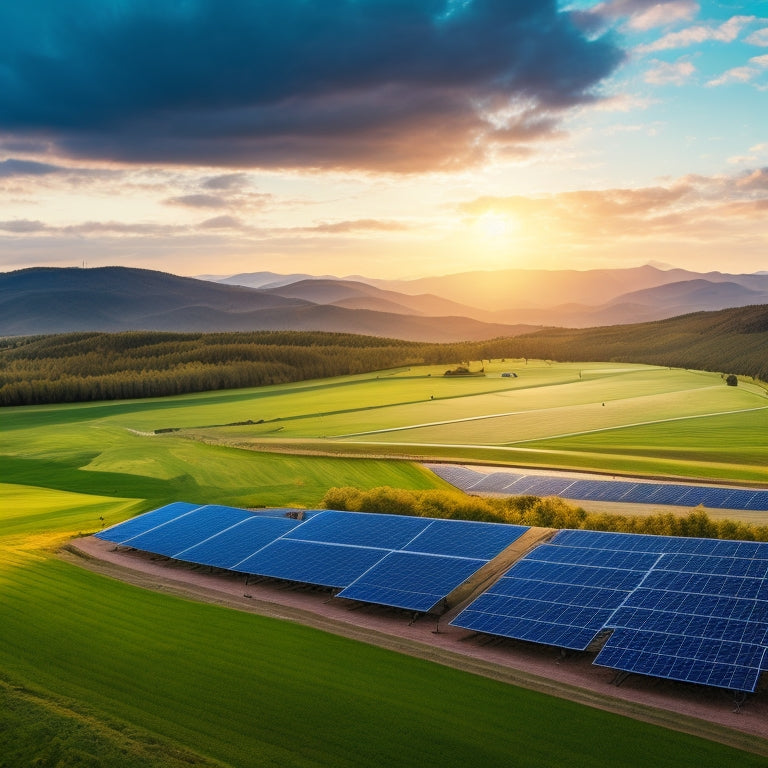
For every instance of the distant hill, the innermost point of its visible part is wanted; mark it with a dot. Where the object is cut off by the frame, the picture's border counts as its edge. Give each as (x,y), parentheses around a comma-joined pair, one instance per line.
(51,300)
(359,295)
(570,298)
(729,341)
(98,366)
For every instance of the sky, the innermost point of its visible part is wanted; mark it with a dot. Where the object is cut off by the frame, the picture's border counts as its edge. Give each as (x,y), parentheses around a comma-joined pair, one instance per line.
(386,138)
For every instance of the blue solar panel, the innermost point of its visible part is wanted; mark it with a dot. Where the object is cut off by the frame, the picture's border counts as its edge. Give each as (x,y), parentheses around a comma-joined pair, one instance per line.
(234,544)
(413,581)
(739,562)
(723,664)
(606,558)
(607,490)
(360,529)
(465,538)
(186,530)
(570,627)
(461,477)
(494,482)
(701,615)
(142,523)
(758,502)
(558,595)
(743,627)
(329,565)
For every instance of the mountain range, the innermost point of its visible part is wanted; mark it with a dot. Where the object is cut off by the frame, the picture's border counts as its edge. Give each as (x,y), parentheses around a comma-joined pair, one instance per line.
(469,306)
(566,298)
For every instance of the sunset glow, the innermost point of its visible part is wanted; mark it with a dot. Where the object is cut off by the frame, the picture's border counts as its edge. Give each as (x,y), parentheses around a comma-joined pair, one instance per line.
(184,137)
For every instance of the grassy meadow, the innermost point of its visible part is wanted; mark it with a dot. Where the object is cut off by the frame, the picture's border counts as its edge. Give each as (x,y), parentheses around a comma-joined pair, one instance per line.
(95,672)
(617,419)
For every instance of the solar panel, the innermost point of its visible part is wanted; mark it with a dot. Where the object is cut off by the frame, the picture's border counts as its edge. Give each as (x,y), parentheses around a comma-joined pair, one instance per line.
(461,477)
(142,523)
(606,558)
(413,581)
(604,490)
(360,529)
(184,531)
(700,616)
(465,538)
(236,543)
(557,595)
(309,562)
(723,664)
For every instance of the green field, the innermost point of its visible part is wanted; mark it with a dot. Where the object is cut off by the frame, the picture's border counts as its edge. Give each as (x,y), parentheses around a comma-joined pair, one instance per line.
(95,672)
(617,419)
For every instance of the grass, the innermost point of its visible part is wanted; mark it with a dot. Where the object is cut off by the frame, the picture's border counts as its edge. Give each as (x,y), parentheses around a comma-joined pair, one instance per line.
(96,672)
(627,419)
(252,691)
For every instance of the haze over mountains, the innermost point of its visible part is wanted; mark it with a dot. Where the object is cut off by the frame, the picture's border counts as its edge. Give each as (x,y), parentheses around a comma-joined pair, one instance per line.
(568,298)
(468,306)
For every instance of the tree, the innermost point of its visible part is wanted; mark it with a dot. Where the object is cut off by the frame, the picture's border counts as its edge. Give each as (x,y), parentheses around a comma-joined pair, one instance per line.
(731,380)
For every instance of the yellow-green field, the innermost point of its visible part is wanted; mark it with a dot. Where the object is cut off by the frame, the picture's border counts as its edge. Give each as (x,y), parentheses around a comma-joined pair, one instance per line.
(628,419)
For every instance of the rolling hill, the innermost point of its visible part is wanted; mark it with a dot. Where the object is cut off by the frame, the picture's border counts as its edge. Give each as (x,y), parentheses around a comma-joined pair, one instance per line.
(59,300)
(570,298)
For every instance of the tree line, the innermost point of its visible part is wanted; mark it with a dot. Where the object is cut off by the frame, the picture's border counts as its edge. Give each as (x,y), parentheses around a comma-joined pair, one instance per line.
(86,366)
(106,366)
(548,512)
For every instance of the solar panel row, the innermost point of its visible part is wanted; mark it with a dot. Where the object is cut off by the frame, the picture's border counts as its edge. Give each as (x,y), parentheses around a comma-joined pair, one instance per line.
(687,609)
(694,610)
(675,494)
(405,562)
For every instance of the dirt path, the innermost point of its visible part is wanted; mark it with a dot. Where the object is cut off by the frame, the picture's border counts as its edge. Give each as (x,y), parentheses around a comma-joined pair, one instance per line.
(705,712)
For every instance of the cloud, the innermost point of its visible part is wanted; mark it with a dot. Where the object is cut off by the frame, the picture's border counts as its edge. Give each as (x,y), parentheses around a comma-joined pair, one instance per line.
(222,222)
(757,65)
(640,15)
(357,225)
(198,201)
(402,86)
(669,73)
(226,181)
(660,14)
(758,37)
(22,226)
(688,209)
(726,32)
(13,167)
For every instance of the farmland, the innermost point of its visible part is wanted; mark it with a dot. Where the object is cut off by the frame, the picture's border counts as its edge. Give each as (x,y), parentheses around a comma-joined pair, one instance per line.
(115,674)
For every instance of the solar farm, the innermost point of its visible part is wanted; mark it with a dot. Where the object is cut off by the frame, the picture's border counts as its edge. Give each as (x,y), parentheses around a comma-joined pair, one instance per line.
(403,562)
(107,643)
(691,610)
(624,491)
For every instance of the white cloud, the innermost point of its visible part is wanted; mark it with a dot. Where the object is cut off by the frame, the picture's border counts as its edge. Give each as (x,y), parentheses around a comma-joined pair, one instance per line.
(759,37)
(669,73)
(726,32)
(757,64)
(663,14)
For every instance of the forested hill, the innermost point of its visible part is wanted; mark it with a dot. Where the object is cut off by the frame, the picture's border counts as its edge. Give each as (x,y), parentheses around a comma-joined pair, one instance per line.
(101,366)
(730,340)
(78,367)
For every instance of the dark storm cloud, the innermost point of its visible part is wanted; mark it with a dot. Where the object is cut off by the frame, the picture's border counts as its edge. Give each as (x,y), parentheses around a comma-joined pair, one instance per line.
(385,84)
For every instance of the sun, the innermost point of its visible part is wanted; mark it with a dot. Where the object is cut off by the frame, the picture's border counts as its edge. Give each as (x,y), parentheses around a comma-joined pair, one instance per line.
(493,225)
